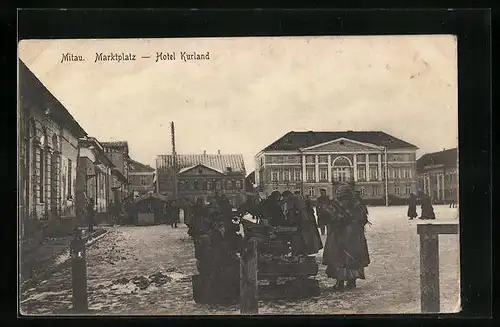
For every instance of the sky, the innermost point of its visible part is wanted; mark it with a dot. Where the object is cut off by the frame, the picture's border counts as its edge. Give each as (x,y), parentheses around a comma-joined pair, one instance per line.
(253,90)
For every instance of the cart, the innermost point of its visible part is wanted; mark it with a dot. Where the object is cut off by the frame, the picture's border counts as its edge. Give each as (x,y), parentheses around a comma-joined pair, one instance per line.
(281,274)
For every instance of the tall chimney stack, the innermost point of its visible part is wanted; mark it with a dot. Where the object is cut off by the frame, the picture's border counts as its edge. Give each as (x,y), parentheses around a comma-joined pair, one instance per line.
(218,151)
(172,130)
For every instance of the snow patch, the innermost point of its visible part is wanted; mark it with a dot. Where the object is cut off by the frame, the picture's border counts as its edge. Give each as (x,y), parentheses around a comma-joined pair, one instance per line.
(40,296)
(124,288)
(62,258)
(177,276)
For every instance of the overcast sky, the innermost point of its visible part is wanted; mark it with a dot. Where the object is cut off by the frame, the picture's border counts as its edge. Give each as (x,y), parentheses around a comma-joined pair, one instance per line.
(254,90)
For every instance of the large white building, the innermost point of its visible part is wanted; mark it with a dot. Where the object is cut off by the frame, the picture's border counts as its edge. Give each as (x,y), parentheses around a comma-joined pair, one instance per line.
(382,167)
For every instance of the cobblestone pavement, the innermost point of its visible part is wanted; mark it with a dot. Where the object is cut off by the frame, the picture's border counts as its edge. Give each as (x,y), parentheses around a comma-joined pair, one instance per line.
(392,282)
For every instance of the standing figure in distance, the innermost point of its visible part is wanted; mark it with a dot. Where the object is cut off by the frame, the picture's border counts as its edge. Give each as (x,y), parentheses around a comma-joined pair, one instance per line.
(174,211)
(412,206)
(90,215)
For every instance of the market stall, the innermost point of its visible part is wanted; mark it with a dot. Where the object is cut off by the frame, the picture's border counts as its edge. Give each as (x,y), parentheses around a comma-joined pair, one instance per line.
(150,208)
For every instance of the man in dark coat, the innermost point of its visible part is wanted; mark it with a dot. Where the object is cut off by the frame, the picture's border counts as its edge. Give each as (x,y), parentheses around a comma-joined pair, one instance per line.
(174,214)
(297,213)
(412,207)
(322,215)
(346,251)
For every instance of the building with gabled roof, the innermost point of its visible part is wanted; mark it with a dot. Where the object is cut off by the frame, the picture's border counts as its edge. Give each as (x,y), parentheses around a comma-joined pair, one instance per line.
(118,153)
(299,140)
(381,166)
(141,178)
(438,175)
(201,176)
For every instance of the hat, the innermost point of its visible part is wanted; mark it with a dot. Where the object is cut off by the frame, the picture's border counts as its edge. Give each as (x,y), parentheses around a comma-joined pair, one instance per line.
(287,193)
(344,191)
(275,194)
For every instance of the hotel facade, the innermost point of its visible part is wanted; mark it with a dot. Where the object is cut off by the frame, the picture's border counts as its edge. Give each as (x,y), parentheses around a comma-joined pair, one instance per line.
(381,167)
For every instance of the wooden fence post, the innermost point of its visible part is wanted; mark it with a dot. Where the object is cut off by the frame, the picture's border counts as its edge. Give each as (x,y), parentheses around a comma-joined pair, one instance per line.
(248,279)
(429,269)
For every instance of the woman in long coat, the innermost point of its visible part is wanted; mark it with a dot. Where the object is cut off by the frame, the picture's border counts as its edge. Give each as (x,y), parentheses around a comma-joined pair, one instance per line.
(298,213)
(412,207)
(346,251)
(427,209)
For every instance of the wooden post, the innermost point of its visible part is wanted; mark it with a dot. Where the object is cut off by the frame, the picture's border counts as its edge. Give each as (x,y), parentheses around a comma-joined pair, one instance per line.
(248,279)
(429,270)
(429,263)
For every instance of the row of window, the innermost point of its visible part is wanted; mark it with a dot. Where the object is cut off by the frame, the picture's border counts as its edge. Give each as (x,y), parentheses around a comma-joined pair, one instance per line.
(195,185)
(338,174)
(376,190)
(46,170)
(311,159)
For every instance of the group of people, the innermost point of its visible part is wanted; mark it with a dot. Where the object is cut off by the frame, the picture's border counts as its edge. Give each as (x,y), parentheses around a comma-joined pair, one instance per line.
(342,218)
(425,204)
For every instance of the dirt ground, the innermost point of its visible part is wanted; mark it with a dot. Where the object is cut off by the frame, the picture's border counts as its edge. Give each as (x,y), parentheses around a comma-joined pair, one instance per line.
(392,282)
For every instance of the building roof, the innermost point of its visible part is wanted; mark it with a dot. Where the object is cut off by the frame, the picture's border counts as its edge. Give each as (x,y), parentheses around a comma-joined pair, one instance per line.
(101,156)
(447,158)
(251,176)
(219,162)
(116,145)
(183,170)
(31,87)
(135,166)
(293,141)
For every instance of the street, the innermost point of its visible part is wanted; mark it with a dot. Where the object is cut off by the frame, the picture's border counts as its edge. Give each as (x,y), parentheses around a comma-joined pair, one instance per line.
(160,260)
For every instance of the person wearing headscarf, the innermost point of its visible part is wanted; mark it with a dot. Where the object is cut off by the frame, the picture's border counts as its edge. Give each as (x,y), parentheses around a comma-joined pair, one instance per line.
(308,240)
(346,251)
(272,210)
(412,207)
(427,209)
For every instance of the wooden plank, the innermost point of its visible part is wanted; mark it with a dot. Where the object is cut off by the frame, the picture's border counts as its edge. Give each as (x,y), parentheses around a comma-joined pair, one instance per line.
(248,279)
(429,270)
(438,228)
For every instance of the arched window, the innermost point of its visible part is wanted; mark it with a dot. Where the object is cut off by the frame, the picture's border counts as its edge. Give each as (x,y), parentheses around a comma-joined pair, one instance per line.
(341,169)
(341,162)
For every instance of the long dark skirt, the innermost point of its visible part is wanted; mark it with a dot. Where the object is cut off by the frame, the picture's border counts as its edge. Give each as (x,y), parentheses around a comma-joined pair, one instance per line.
(427,212)
(412,211)
(346,252)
